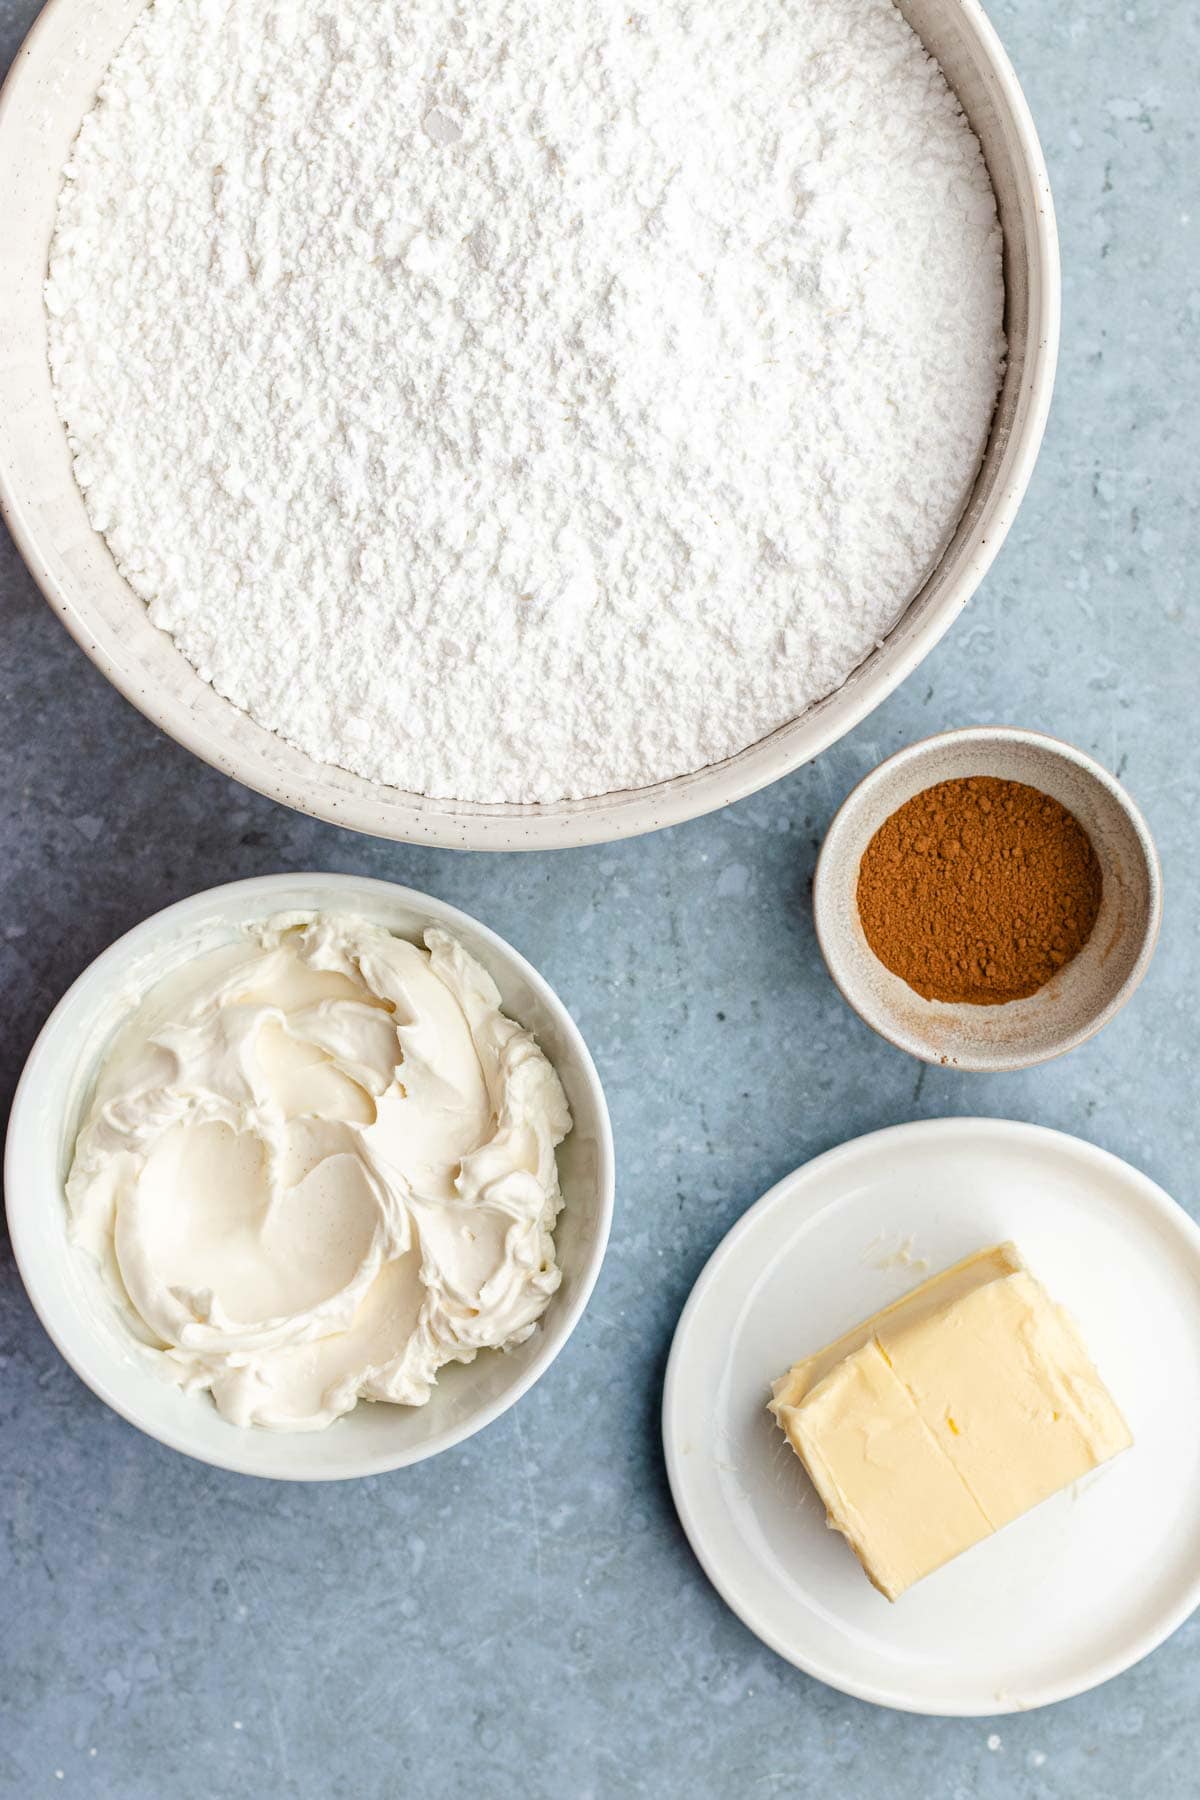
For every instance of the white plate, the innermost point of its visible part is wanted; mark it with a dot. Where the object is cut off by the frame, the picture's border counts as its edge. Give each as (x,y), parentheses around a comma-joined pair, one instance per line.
(1062,1599)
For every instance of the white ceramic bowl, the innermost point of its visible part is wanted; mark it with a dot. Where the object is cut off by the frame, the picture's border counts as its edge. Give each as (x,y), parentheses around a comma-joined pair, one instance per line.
(52,84)
(65,1287)
(1084,995)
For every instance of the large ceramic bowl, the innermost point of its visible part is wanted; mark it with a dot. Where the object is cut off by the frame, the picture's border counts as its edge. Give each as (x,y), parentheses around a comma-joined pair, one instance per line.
(65,1286)
(51,86)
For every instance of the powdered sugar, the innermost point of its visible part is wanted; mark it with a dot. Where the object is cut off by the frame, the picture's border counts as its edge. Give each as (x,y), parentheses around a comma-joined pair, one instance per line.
(529,399)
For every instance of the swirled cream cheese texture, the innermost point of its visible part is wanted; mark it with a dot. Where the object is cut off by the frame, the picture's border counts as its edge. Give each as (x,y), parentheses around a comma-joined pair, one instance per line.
(318,1166)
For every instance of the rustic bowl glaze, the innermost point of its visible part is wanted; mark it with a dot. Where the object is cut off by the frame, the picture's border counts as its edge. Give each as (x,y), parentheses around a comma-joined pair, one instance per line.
(53,83)
(1083,996)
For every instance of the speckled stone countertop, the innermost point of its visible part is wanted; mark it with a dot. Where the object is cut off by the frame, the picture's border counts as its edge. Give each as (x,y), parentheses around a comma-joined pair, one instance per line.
(522,1617)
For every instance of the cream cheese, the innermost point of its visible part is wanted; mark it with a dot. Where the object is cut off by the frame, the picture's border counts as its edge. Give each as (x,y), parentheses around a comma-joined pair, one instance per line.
(318,1166)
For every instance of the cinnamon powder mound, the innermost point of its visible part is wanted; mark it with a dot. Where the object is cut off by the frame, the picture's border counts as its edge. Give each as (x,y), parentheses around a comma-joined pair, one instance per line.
(979,890)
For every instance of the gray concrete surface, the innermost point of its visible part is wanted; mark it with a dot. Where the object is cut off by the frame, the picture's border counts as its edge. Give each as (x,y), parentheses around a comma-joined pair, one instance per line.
(522,1616)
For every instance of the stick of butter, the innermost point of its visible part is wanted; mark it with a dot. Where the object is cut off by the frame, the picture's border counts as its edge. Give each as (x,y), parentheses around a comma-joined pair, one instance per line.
(945,1416)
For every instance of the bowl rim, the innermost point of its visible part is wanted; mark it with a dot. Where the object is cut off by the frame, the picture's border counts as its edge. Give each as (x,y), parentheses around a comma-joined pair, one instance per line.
(403,816)
(23,1215)
(828,865)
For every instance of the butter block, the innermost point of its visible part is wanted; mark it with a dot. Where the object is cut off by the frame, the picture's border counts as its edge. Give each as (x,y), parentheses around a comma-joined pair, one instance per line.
(939,1420)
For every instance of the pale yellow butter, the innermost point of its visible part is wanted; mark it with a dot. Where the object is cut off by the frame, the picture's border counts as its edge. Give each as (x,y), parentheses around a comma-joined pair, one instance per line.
(945,1416)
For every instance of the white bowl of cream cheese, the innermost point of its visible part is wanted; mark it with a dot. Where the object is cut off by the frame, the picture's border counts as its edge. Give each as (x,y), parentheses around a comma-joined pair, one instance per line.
(433,1224)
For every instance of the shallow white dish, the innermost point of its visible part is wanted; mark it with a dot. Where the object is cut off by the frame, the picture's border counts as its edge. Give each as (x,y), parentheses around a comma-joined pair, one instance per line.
(1062,1599)
(64,1285)
(53,83)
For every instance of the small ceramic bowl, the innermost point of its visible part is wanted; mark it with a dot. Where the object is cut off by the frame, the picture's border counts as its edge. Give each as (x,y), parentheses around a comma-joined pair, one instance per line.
(65,1287)
(1084,995)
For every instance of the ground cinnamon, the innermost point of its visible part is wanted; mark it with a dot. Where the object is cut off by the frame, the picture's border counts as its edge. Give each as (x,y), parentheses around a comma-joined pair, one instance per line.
(978,890)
